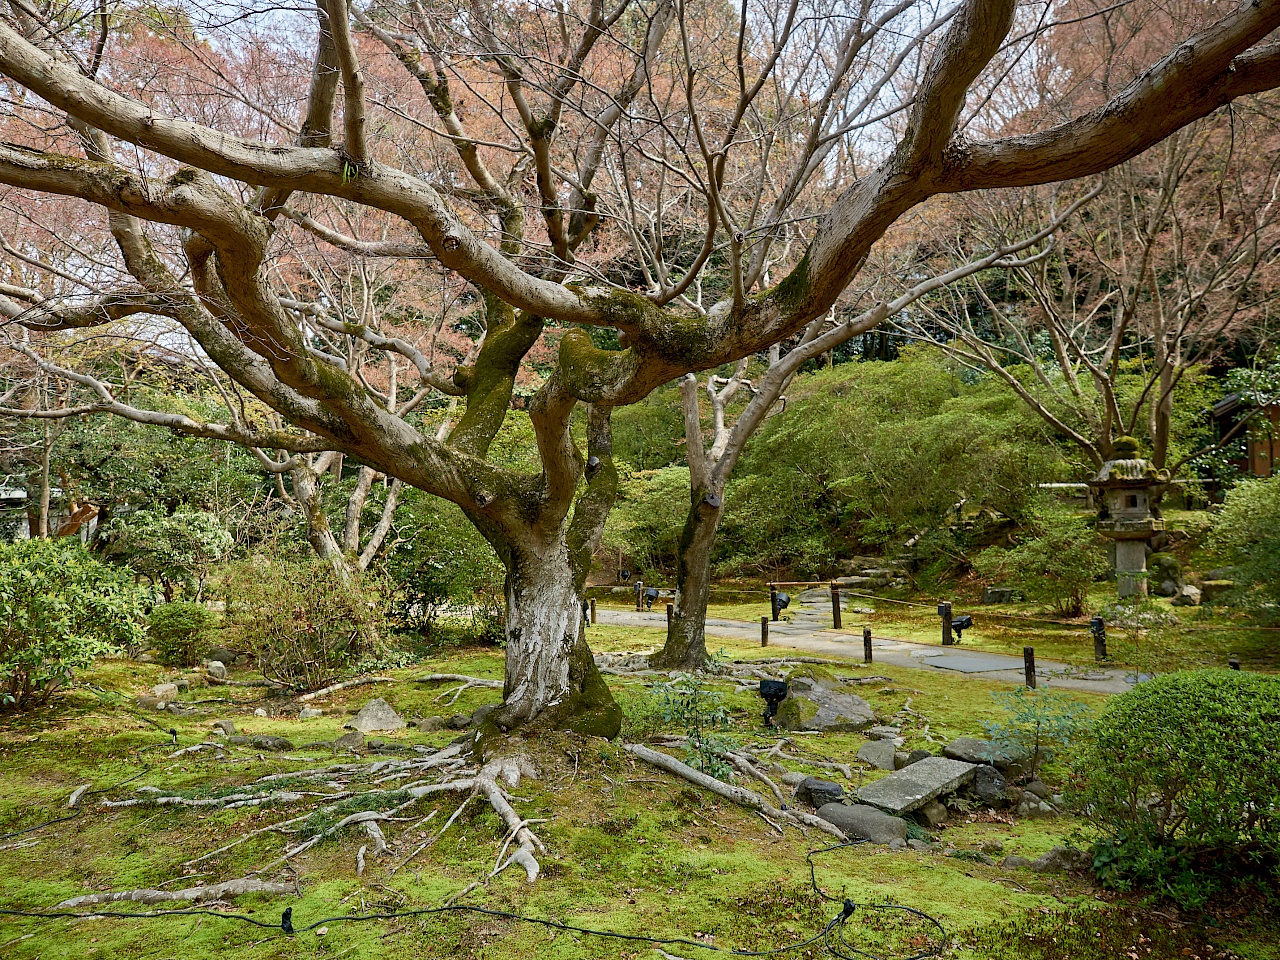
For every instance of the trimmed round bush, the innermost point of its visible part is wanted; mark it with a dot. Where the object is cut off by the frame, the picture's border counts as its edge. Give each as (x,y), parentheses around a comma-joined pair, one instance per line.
(178,630)
(1182,779)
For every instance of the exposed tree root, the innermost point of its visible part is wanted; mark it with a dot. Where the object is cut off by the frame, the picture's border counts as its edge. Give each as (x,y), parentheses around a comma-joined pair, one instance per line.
(229,802)
(223,682)
(739,795)
(466,684)
(334,688)
(216,891)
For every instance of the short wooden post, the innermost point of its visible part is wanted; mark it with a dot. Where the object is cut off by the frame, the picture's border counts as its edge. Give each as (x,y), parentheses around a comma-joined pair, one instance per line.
(670,609)
(866,644)
(1234,662)
(835,606)
(593,611)
(764,631)
(944,611)
(639,594)
(773,601)
(1029,662)
(1098,626)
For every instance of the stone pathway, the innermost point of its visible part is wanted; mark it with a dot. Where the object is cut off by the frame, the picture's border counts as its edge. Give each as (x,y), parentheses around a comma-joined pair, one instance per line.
(809,630)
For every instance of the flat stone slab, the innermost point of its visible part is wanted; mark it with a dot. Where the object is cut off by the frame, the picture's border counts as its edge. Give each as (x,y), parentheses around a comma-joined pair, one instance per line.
(878,753)
(914,786)
(972,662)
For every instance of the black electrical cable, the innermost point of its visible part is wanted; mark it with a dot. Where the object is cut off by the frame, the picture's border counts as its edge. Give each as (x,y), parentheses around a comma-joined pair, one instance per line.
(832,934)
(850,907)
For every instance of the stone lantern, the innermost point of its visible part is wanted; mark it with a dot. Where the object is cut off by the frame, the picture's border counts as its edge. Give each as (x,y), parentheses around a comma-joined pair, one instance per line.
(1126,487)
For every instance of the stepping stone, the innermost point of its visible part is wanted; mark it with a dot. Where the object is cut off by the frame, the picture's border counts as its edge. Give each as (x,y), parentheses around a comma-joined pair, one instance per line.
(971,662)
(912,787)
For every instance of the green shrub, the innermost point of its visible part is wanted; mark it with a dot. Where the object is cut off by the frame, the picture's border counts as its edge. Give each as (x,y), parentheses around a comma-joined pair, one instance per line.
(1183,782)
(445,566)
(59,608)
(1055,564)
(178,630)
(303,622)
(1247,532)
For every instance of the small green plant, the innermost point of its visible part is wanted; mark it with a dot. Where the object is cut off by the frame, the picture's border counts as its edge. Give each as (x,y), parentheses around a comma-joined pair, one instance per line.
(1055,564)
(59,608)
(178,630)
(686,701)
(1034,722)
(171,551)
(1180,783)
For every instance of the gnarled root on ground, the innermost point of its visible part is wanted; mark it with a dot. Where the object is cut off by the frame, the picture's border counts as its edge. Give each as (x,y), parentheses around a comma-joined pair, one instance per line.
(739,795)
(214,891)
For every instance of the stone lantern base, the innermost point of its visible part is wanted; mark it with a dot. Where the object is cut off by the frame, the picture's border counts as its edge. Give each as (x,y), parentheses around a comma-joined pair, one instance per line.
(1131,568)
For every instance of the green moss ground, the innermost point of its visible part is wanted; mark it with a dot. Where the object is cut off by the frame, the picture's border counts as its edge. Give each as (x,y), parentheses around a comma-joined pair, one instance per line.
(630,848)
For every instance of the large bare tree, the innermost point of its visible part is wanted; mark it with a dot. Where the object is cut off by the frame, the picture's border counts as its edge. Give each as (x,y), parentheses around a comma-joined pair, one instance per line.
(596,122)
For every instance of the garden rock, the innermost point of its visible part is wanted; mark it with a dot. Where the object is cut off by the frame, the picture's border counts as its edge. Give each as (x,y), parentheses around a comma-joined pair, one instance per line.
(183,685)
(932,814)
(920,846)
(1212,591)
(269,743)
(988,787)
(376,716)
(309,713)
(901,759)
(1015,862)
(793,778)
(1035,809)
(260,712)
(817,792)
(1062,860)
(459,721)
(915,756)
(226,727)
(864,822)
(897,844)
(884,733)
(216,669)
(878,753)
(1038,788)
(992,848)
(976,750)
(911,788)
(150,703)
(478,715)
(1187,596)
(816,701)
(349,741)
(430,724)
(166,691)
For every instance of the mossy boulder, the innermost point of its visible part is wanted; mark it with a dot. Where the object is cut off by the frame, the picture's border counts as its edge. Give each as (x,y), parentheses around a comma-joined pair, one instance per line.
(816,701)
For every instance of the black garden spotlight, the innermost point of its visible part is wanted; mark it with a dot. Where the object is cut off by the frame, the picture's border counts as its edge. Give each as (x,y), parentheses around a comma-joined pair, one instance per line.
(784,601)
(960,625)
(650,595)
(773,692)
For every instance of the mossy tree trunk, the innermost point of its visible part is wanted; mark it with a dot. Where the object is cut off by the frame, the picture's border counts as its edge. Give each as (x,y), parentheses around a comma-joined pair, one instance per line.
(551,678)
(686,646)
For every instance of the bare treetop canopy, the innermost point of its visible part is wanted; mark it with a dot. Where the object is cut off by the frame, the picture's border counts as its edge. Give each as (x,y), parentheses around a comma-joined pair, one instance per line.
(321,207)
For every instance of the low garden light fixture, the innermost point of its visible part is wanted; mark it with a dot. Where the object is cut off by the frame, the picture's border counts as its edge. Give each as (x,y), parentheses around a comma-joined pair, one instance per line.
(773,692)
(650,595)
(960,625)
(784,600)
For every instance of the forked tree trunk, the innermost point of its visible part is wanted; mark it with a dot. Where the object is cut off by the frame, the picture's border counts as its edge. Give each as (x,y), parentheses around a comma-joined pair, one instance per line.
(551,678)
(686,646)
